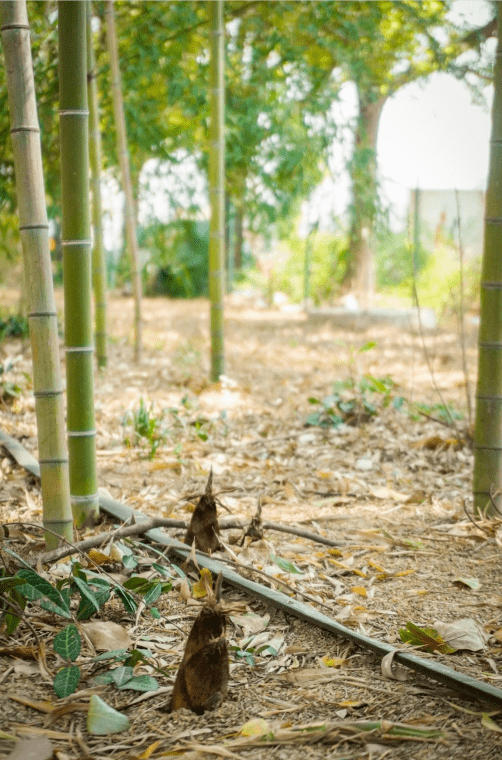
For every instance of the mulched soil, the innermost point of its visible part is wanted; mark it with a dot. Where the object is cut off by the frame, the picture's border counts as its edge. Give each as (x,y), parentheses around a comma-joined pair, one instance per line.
(393,490)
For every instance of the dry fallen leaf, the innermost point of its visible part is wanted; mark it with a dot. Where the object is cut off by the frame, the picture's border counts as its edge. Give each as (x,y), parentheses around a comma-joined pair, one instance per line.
(106,636)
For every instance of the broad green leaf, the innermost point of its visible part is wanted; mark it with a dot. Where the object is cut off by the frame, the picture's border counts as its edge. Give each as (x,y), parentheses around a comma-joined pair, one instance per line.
(67,643)
(66,680)
(153,594)
(140,683)
(103,719)
(87,608)
(38,587)
(122,674)
(155,613)
(427,638)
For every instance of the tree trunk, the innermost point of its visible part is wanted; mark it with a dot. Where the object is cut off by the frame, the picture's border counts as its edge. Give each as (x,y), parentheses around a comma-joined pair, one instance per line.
(41,307)
(217,188)
(360,275)
(123,154)
(98,254)
(76,244)
(487,477)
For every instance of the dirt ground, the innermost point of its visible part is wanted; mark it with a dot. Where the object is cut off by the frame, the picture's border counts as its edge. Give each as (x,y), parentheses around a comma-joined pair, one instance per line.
(392,487)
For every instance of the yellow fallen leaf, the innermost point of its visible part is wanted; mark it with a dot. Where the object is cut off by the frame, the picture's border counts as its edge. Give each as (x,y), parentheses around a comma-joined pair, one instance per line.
(359,590)
(360,573)
(99,558)
(350,703)
(403,573)
(374,565)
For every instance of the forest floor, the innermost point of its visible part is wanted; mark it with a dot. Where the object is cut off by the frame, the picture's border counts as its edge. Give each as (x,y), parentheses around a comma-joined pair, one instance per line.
(391,484)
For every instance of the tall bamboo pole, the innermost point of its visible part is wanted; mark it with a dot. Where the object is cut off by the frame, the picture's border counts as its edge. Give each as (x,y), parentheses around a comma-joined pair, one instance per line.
(98,253)
(488,421)
(123,153)
(217,187)
(73,126)
(41,308)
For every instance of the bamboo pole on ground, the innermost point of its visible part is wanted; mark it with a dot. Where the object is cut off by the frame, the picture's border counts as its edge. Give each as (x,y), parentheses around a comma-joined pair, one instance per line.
(488,421)
(98,253)
(73,126)
(41,307)
(217,188)
(123,154)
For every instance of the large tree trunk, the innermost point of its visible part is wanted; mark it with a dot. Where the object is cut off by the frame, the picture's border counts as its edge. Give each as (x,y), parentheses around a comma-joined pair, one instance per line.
(362,168)
(487,480)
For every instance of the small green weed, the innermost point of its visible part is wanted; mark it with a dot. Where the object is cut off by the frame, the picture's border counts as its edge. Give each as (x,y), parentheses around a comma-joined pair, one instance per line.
(9,390)
(351,402)
(13,326)
(146,426)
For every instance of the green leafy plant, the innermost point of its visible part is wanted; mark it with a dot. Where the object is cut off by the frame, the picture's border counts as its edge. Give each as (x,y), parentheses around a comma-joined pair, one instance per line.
(353,403)
(92,590)
(146,427)
(13,326)
(9,390)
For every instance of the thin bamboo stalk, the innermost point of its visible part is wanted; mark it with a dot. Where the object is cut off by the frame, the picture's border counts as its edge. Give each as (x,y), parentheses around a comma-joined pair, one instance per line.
(217,188)
(41,308)
(98,253)
(77,259)
(123,154)
(488,420)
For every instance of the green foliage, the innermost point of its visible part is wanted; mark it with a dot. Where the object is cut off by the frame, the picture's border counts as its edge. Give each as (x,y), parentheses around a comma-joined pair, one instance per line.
(146,426)
(327,256)
(179,253)
(427,639)
(93,591)
(351,403)
(9,389)
(394,259)
(13,326)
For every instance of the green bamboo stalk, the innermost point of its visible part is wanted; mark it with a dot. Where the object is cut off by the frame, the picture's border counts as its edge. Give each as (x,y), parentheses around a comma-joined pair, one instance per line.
(98,253)
(77,259)
(488,420)
(217,188)
(123,154)
(41,307)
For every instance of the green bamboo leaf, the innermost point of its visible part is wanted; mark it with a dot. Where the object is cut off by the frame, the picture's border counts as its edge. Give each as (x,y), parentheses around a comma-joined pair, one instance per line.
(135,583)
(103,719)
(66,680)
(285,565)
(67,643)
(155,613)
(140,683)
(38,587)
